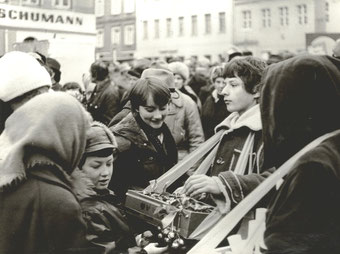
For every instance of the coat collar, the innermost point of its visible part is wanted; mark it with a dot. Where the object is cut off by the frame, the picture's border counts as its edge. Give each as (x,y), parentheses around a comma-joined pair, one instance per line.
(251,119)
(129,129)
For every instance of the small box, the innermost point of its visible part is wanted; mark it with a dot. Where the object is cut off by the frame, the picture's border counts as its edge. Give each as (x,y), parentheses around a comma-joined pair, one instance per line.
(144,207)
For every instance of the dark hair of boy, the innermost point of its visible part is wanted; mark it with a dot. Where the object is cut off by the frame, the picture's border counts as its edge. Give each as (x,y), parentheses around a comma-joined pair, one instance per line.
(249,69)
(99,71)
(145,87)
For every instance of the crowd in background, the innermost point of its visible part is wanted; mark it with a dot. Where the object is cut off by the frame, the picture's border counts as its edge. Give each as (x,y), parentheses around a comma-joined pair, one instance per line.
(67,158)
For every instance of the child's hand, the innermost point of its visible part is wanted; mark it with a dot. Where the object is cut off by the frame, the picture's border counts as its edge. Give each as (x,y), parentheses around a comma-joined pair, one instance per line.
(198,184)
(152,248)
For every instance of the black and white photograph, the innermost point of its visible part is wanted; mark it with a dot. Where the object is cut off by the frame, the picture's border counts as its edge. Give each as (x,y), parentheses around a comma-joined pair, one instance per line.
(169,126)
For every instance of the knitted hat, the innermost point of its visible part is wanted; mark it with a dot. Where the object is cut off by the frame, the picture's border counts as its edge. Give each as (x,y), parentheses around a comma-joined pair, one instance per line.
(164,75)
(180,69)
(99,137)
(20,73)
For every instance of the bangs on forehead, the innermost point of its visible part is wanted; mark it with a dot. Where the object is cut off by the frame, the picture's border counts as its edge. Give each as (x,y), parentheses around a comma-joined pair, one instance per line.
(233,69)
(149,88)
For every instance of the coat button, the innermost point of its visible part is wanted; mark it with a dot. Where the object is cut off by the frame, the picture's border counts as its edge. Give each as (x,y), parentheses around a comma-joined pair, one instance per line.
(96,107)
(150,158)
(144,144)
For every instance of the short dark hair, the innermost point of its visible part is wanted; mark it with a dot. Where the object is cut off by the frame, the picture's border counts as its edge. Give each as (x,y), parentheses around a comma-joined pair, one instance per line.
(249,69)
(100,153)
(146,87)
(99,70)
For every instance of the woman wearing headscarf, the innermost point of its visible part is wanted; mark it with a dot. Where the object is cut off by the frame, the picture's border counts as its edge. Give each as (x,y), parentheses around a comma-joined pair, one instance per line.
(301,102)
(42,143)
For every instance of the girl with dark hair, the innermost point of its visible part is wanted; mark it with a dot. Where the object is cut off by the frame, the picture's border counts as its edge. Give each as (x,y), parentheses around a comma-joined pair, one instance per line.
(146,148)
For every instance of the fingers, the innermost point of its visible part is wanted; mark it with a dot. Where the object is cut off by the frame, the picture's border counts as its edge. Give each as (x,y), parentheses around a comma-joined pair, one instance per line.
(195,183)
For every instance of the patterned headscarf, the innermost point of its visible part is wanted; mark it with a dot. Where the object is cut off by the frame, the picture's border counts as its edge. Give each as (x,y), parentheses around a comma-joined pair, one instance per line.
(53,124)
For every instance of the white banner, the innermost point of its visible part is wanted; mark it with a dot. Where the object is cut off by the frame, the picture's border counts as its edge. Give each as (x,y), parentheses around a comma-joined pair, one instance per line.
(36,18)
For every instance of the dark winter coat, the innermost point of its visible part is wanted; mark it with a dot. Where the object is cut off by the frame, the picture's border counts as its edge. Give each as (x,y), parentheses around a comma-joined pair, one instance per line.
(106,224)
(138,161)
(42,215)
(229,149)
(104,102)
(304,217)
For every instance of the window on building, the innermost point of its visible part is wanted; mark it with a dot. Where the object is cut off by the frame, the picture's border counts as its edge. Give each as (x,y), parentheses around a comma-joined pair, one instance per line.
(194,25)
(266,19)
(168,27)
(221,17)
(246,19)
(145,30)
(326,11)
(99,8)
(284,16)
(207,18)
(116,7)
(129,35)
(115,35)
(156,26)
(100,38)
(129,6)
(63,4)
(180,26)
(302,14)
(28,2)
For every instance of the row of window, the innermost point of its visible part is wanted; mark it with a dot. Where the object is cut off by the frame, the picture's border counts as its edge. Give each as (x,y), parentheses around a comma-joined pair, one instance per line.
(117,7)
(62,4)
(116,32)
(169,32)
(301,10)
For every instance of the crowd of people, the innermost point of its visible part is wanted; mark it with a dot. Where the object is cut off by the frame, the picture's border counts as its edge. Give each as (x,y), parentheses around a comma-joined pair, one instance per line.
(69,156)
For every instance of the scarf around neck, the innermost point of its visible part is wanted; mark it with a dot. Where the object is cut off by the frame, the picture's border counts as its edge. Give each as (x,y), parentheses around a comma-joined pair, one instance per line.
(168,152)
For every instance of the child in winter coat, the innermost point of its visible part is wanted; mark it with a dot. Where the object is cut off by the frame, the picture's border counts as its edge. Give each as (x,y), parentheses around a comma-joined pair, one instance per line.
(214,108)
(107,225)
(236,169)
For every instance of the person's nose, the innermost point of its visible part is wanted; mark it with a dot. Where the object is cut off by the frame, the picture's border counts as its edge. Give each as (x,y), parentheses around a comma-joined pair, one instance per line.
(225,90)
(157,114)
(105,171)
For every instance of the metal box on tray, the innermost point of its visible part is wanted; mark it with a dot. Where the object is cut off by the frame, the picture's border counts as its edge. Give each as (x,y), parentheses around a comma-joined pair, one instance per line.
(144,207)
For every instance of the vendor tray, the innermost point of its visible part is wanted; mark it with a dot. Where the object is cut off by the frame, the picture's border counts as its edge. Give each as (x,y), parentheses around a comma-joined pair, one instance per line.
(144,207)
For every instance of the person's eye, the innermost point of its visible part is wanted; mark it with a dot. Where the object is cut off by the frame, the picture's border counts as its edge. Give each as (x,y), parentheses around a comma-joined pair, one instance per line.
(95,166)
(150,110)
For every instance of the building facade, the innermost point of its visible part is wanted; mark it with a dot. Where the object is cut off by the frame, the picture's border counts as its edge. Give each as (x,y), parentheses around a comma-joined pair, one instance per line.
(276,26)
(64,30)
(116,30)
(183,28)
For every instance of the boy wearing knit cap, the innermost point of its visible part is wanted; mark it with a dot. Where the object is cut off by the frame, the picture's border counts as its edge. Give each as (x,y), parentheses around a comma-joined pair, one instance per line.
(107,225)
(21,78)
